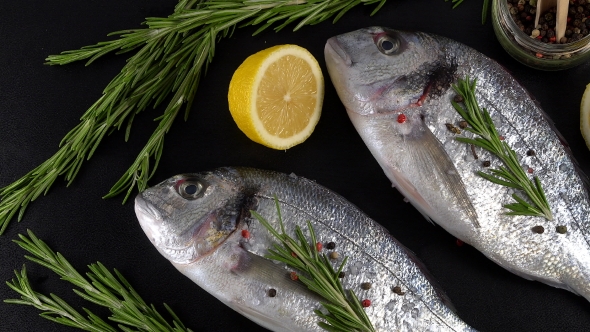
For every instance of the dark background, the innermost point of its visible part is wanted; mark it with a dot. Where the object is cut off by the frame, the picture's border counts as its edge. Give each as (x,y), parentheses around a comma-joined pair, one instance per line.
(39,104)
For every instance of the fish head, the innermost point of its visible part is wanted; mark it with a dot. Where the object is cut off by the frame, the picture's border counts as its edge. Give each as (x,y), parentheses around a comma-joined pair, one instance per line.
(380,70)
(187,216)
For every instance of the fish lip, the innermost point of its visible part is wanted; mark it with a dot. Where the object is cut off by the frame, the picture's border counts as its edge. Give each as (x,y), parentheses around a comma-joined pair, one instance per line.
(148,216)
(334,48)
(143,208)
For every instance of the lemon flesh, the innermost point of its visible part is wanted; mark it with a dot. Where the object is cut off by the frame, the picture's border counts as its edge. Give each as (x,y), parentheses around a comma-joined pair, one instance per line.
(585,116)
(275,96)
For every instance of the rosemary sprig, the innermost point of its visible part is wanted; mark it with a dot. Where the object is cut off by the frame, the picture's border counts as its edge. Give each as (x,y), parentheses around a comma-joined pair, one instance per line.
(345,312)
(512,174)
(100,286)
(172,54)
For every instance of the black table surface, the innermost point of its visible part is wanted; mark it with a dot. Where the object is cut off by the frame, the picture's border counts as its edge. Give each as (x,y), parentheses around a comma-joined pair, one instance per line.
(39,104)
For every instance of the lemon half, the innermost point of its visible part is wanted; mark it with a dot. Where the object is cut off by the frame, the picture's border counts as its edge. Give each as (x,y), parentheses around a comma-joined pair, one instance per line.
(275,96)
(585,115)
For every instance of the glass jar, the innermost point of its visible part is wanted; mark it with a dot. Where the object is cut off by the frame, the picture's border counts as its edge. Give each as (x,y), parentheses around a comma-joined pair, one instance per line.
(531,52)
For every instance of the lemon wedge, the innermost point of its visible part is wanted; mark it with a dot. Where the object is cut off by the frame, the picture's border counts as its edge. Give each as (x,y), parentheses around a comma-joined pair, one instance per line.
(585,115)
(275,96)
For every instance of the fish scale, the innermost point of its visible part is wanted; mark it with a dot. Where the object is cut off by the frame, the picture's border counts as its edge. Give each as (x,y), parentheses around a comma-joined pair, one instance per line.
(560,260)
(236,272)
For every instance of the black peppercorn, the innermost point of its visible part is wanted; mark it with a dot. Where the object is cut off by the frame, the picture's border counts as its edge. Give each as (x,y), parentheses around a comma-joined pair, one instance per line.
(548,16)
(530,152)
(331,245)
(486,163)
(341,275)
(463,124)
(366,285)
(272,292)
(561,229)
(538,229)
(458,99)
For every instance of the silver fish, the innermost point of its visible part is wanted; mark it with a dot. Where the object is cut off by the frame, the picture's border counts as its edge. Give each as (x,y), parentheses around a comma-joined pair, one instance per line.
(380,74)
(198,222)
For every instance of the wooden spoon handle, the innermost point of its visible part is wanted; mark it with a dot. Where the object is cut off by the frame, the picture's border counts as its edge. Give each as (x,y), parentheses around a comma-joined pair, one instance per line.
(561,19)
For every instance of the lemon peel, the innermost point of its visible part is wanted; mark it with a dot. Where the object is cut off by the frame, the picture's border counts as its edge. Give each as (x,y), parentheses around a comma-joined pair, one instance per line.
(585,115)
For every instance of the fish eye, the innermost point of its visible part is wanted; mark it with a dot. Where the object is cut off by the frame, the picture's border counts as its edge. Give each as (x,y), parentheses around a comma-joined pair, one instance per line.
(190,189)
(388,45)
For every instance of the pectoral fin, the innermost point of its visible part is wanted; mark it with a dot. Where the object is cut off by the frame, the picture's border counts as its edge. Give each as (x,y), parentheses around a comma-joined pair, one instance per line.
(432,161)
(268,272)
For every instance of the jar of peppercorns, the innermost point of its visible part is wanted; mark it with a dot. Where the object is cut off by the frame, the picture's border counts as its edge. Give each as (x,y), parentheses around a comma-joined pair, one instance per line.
(537,46)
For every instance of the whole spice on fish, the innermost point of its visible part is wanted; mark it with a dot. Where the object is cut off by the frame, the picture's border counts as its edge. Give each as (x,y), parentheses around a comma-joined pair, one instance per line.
(99,286)
(344,310)
(512,175)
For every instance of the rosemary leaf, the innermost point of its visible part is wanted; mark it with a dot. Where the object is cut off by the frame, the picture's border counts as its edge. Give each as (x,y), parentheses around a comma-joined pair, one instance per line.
(172,53)
(512,175)
(345,311)
(100,286)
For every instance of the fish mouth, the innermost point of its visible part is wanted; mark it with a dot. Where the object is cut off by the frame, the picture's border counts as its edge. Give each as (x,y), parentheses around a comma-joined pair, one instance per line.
(150,219)
(333,50)
(145,213)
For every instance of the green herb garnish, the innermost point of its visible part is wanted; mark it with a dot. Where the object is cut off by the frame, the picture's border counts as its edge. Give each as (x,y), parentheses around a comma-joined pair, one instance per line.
(345,311)
(512,175)
(100,286)
(172,54)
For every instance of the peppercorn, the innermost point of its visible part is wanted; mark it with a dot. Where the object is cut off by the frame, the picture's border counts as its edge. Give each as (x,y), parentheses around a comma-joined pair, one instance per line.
(398,290)
(523,13)
(538,229)
(341,275)
(272,292)
(530,152)
(293,276)
(561,229)
(366,285)
(463,124)
(401,118)
(548,16)
(458,99)
(245,234)
(486,163)
(331,245)
(318,246)
(366,303)
(334,255)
